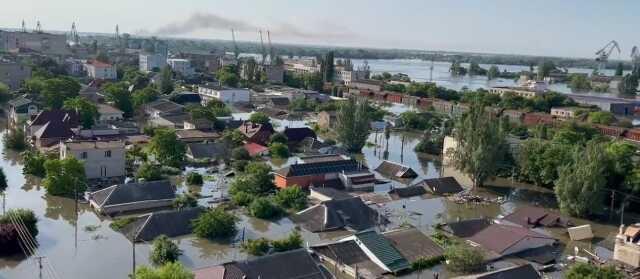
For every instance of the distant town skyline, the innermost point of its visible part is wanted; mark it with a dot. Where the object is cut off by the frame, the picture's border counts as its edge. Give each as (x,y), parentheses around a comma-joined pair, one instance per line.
(571,28)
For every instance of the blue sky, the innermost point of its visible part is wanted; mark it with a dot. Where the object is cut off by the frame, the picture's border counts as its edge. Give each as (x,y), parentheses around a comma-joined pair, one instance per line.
(575,28)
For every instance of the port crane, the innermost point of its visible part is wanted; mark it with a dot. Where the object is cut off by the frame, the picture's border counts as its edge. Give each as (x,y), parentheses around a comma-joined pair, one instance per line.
(635,56)
(236,50)
(271,52)
(262,50)
(604,53)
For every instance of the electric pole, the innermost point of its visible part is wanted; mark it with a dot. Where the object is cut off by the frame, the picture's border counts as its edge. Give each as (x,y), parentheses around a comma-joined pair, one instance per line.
(39,259)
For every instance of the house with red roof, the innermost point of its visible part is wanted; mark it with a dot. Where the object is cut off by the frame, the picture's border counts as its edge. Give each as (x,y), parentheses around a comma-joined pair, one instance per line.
(255,149)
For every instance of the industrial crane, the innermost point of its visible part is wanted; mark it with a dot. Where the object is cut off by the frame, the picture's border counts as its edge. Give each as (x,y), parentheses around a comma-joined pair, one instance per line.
(604,53)
(262,50)
(271,52)
(236,50)
(635,56)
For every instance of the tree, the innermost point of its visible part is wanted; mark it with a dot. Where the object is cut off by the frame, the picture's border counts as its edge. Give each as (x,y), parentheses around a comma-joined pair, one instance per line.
(34,164)
(239,153)
(256,247)
(259,118)
(291,197)
(57,90)
(601,117)
(211,111)
(64,177)
(493,72)
(9,240)
(166,147)
(538,160)
(291,242)
(278,138)
(144,96)
(461,258)
(228,76)
(353,124)
(164,251)
(88,111)
(194,178)
(619,69)
(481,144)
(589,271)
(26,216)
(579,82)
(15,139)
(629,84)
(215,224)
(166,80)
(256,180)
(173,270)
(327,67)
(4,92)
(279,150)
(545,68)
(149,172)
(3,181)
(185,200)
(241,198)
(119,94)
(263,208)
(580,182)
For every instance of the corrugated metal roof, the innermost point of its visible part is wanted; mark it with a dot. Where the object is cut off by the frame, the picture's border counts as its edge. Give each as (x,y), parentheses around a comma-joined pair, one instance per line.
(383,250)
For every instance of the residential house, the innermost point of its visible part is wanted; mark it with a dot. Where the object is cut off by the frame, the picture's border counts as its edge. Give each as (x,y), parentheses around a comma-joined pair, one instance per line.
(206,151)
(173,121)
(465,228)
(163,107)
(223,94)
(50,127)
(533,217)
(327,194)
(503,240)
(407,192)
(360,180)
(22,109)
(441,186)
(101,158)
(181,66)
(122,198)
(150,62)
(13,74)
(317,173)
(627,245)
(199,124)
(299,265)
(350,213)
(280,103)
(256,133)
(524,92)
(395,170)
(255,149)
(101,70)
(171,223)
(193,135)
(526,271)
(109,113)
(565,112)
(327,119)
(297,135)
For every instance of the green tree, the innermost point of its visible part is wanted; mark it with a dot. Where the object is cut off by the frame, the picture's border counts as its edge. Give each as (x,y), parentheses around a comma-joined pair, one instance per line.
(34,164)
(3,181)
(169,271)
(241,198)
(619,69)
(259,118)
(239,153)
(15,139)
(464,259)
(4,92)
(263,208)
(64,177)
(328,67)
(118,93)
(88,111)
(279,150)
(194,178)
(149,172)
(353,124)
(164,251)
(291,242)
(278,138)
(539,160)
(580,182)
(256,247)
(166,147)
(579,82)
(589,271)
(144,96)
(629,84)
(256,180)
(57,90)
(185,200)
(545,68)
(601,117)
(481,144)
(493,72)
(26,215)
(228,76)
(215,224)
(291,197)
(166,80)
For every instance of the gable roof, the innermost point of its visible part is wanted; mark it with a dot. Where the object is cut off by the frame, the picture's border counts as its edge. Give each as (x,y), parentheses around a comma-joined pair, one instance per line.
(164,106)
(531,217)
(186,97)
(351,213)
(499,238)
(294,264)
(392,169)
(413,244)
(134,192)
(280,101)
(54,129)
(383,250)
(258,133)
(70,118)
(349,253)
(346,165)
(406,192)
(171,223)
(466,228)
(298,134)
(526,271)
(206,150)
(254,148)
(330,192)
(19,101)
(442,185)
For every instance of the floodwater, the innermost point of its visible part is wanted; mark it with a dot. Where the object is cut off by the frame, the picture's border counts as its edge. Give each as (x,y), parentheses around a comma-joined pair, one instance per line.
(420,70)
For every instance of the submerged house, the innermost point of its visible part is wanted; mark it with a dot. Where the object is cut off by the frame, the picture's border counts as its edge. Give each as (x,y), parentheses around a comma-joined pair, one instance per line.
(349,213)
(395,170)
(441,186)
(129,197)
(171,223)
(256,133)
(533,217)
(315,172)
(206,151)
(503,240)
(526,271)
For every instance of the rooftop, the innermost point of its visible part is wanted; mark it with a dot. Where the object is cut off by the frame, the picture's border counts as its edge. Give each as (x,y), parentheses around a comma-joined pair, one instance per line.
(442,185)
(393,169)
(134,192)
(171,223)
(93,144)
(383,250)
(349,213)
(346,165)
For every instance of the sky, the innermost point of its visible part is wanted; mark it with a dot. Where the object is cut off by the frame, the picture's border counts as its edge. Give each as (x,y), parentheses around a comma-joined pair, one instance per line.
(571,28)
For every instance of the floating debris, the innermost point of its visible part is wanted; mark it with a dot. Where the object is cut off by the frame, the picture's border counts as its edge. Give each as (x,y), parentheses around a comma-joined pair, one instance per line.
(467,197)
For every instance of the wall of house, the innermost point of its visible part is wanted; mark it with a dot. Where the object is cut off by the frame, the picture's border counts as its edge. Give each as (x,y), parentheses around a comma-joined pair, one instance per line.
(303,181)
(627,253)
(97,164)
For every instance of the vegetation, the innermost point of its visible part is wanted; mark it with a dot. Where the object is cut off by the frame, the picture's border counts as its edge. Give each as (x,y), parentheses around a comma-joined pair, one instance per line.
(164,251)
(259,118)
(291,242)
(211,111)
(120,223)
(166,147)
(420,121)
(579,82)
(239,153)
(545,68)
(228,76)
(255,180)
(242,198)
(278,138)
(264,208)
(464,259)
(291,197)
(629,84)
(118,93)
(481,145)
(310,81)
(23,215)
(589,271)
(194,178)
(184,201)
(538,161)
(144,96)
(279,150)
(173,270)
(3,181)
(15,139)
(88,111)
(56,90)
(256,247)
(353,125)
(425,263)
(493,72)
(149,172)
(601,117)
(64,177)
(34,163)
(215,224)
(166,80)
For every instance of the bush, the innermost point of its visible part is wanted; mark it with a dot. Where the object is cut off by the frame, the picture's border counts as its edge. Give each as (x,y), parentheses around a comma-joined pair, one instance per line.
(184,201)
(257,247)
(149,172)
(263,208)
(15,139)
(278,138)
(26,216)
(239,165)
(259,118)
(64,177)
(171,270)
(34,164)
(461,258)
(194,178)
(582,270)
(215,224)
(239,153)
(164,251)
(120,223)
(279,150)
(291,197)
(9,240)
(424,263)
(292,242)
(242,198)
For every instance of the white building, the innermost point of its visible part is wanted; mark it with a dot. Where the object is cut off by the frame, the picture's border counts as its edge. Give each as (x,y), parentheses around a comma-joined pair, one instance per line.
(101,70)
(148,62)
(525,92)
(302,66)
(101,159)
(224,94)
(182,66)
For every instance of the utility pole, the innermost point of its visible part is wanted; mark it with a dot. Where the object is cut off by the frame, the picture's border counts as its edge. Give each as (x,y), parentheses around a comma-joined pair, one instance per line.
(39,259)
(4,202)
(613,194)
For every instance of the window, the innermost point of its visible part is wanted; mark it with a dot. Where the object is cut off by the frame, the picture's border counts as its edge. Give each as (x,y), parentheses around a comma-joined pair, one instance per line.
(83,155)
(107,154)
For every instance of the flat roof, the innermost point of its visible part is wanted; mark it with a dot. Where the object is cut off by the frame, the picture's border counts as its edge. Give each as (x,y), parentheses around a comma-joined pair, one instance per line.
(89,144)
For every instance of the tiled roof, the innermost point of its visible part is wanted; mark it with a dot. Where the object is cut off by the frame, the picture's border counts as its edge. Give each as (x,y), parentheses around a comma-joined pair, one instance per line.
(164,105)
(392,169)
(171,223)
(71,118)
(206,150)
(254,148)
(349,213)
(295,264)
(413,244)
(347,165)
(134,192)
(466,228)
(442,185)
(383,250)
(498,238)
(54,129)
(531,217)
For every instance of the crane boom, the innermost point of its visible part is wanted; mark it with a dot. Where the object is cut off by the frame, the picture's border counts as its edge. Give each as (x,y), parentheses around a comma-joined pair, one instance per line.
(635,55)
(271,51)
(264,52)
(604,53)
(236,51)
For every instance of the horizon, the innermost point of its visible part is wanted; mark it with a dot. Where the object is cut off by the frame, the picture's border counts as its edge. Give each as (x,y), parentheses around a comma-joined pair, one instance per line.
(522,28)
